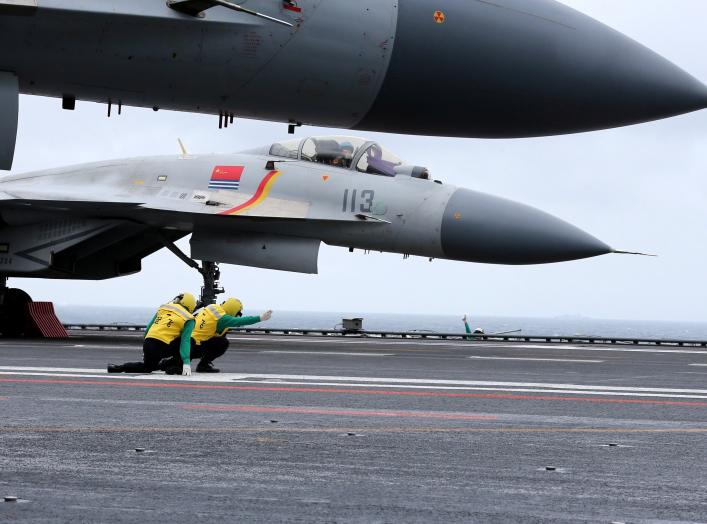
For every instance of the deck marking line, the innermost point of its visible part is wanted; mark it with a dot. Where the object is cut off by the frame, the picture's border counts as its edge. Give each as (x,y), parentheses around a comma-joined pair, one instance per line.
(471,344)
(330,411)
(471,388)
(406,430)
(539,359)
(326,353)
(170,378)
(355,391)
(369,381)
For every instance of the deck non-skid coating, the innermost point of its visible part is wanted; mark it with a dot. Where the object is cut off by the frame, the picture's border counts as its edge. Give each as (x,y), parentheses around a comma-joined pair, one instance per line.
(421,433)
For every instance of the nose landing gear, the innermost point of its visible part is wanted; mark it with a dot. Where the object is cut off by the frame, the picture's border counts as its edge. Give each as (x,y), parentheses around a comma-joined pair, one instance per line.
(211,274)
(209,271)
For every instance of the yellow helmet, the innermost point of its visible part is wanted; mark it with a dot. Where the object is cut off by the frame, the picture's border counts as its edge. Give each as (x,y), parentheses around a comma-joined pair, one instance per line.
(232,306)
(186,300)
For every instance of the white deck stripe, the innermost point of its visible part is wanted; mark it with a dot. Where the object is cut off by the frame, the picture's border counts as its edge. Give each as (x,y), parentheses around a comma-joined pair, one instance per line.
(210,379)
(328,353)
(342,381)
(471,343)
(540,359)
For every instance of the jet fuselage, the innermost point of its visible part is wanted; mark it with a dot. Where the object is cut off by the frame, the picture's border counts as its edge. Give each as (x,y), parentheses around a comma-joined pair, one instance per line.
(267,208)
(508,68)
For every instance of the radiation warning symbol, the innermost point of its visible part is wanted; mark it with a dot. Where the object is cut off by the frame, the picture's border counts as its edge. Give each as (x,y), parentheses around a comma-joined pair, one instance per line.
(439,17)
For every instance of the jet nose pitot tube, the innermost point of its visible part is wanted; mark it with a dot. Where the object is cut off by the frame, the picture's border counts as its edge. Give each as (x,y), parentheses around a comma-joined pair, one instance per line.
(521,69)
(477,227)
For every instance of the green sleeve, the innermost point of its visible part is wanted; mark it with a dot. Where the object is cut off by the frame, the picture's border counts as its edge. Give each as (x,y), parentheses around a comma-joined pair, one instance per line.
(228,322)
(185,345)
(147,329)
(468,330)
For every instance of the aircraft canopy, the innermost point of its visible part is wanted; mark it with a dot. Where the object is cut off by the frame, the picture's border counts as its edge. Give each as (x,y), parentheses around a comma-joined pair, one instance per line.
(344,152)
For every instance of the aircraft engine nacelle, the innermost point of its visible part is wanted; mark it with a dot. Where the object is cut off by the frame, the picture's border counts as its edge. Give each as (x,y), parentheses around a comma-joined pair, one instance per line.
(267,251)
(9,107)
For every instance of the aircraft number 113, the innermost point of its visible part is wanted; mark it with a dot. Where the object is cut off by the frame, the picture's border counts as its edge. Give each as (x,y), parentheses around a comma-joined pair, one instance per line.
(364,200)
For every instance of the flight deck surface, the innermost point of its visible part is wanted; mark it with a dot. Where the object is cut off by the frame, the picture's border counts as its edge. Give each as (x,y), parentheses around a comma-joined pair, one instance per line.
(319,429)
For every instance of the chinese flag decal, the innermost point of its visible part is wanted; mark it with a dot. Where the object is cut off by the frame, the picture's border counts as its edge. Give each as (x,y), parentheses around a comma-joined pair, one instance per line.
(291,5)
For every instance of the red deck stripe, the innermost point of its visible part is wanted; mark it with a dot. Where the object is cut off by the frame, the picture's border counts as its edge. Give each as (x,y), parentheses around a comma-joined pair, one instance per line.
(352,412)
(502,396)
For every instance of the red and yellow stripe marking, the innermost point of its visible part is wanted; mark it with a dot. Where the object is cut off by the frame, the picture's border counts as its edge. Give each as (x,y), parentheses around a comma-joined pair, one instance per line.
(260,195)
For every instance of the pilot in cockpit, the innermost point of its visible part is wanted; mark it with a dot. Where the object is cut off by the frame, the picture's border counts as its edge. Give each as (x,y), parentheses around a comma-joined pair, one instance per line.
(346,155)
(332,153)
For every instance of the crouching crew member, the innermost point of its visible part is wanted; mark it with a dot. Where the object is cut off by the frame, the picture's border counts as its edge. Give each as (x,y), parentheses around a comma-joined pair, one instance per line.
(168,335)
(212,325)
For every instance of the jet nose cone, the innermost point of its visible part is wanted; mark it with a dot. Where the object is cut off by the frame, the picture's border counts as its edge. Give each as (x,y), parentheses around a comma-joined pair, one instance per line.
(510,69)
(482,228)
(602,78)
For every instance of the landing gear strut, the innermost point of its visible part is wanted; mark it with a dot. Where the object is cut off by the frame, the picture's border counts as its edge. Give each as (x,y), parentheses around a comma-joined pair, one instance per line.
(209,271)
(211,274)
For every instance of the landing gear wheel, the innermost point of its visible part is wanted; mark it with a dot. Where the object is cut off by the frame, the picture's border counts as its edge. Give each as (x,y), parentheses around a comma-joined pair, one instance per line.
(13,313)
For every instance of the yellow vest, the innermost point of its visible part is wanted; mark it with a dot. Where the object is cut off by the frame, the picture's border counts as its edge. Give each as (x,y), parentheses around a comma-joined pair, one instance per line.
(207,322)
(169,323)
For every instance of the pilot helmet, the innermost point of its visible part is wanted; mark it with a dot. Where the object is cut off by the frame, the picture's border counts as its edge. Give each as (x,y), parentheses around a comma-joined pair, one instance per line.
(347,149)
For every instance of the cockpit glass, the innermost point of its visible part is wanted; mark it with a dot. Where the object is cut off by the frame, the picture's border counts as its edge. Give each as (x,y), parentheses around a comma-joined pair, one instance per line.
(340,151)
(336,151)
(287,149)
(378,161)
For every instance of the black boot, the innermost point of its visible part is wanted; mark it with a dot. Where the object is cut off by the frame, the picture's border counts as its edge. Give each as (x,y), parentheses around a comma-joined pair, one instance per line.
(173,370)
(206,367)
(115,368)
(168,363)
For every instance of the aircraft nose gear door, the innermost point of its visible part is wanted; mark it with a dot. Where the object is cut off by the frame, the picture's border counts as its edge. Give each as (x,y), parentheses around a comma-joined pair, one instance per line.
(9,101)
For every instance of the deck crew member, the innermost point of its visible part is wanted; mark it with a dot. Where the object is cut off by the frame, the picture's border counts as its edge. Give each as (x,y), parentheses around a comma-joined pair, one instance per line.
(212,325)
(477,331)
(167,335)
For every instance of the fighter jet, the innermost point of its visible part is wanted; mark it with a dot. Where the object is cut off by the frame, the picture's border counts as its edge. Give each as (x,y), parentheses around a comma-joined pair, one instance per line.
(269,207)
(465,68)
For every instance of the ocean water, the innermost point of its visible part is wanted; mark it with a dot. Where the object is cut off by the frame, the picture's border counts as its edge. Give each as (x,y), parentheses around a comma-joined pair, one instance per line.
(558,326)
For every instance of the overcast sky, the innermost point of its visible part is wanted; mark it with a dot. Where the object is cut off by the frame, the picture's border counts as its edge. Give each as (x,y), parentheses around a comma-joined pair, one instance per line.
(639,188)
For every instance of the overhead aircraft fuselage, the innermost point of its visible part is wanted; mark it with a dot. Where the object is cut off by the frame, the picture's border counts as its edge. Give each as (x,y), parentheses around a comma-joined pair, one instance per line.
(467,68)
